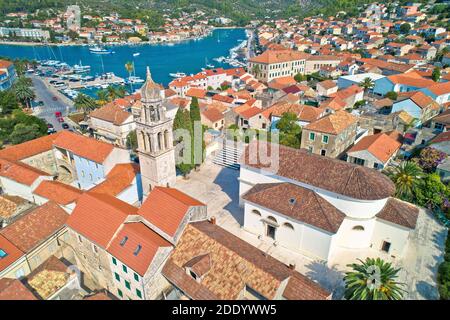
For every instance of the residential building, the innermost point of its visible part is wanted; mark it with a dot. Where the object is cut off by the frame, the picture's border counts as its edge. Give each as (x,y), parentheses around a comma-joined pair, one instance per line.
(417,104)
(7,74)
(272,64)
(317,62)
(112,124)
(330,135)
(375,151)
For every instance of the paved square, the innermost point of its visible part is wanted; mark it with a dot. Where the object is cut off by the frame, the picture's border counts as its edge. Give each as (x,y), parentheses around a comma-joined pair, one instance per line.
(218,187)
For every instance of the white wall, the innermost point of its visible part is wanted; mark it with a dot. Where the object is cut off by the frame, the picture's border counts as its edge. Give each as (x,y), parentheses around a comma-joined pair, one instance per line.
(393,233)
(303,238)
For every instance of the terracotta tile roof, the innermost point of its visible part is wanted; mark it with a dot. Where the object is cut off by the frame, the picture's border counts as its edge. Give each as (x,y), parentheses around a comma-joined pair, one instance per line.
(35,227)
(12,253)
(165,208)
(347,92)
(98,216)
(84,147)
(440,88)
(118,179)
(399,212)
(299,288)
(397,67)
(20,172)
(282,82)
(333,123)
(327,84)
(29,148)
(419,98)
(195,92)
(111,113)
(303,112)
(444,117)
(138,235)
(408,79)
(385,102)
(200,264)
(334,104)
(380,145)
(212,114)
(10,204)
(297,202)
(250,112)
(58,192)
(234,264)
(222,98)
(5,64)
(13,289)
(329,174)
(277,56)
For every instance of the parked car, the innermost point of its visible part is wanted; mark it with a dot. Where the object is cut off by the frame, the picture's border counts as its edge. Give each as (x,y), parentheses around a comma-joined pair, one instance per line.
(65,125)
(51,130)
(55,98)
(58,114)
(61,120)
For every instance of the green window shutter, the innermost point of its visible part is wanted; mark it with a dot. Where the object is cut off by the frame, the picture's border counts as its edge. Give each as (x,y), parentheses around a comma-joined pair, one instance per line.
(136,277)
(127,284)
(120,293)
(138,293)
(311,136)
(117,276)
(114,261)
(124,268)
(325,139)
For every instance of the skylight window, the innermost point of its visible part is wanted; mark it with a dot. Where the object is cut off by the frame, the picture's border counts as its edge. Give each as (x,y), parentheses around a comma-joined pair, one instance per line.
(3,254)
(292,200)
(124,240)
(138,249)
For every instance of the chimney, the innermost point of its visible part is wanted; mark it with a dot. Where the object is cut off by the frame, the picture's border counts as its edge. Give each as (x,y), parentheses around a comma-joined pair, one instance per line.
(212,220)
(291,266)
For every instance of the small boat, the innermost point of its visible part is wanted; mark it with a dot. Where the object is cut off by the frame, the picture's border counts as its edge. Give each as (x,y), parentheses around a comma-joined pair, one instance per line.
(177,75)
(99,50)
(210,66)
(134,79)
(79,68)
(136,54)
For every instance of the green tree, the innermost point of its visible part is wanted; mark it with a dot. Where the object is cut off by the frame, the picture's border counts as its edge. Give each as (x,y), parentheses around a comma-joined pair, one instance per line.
(23,133)
(436,74)
(372,279)
(432,191)
(290,131)
(367,84)
(8,102)
(84,103)
(406,177)
(299,77)
(391,95)
(23,92)
(405,28)
(132,143)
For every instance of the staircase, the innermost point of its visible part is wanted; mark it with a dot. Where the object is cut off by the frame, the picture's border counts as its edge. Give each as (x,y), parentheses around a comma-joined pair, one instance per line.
(229,155)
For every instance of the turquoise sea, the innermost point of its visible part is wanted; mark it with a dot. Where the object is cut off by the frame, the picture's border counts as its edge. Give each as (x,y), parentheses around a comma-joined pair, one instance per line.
(187,56)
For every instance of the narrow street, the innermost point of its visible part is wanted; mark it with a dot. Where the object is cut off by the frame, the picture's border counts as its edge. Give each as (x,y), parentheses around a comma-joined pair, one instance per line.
(47,111)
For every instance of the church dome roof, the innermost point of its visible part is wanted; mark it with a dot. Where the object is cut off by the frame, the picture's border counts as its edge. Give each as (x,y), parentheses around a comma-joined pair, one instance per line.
(150,90)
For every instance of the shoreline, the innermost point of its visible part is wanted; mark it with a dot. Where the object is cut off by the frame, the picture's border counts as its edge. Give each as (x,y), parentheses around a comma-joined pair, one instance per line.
(40,44)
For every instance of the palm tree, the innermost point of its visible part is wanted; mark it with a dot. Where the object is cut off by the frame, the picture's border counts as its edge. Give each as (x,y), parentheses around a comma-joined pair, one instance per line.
(373,279)
(367,84)
(115,92)
(407,178)
(103,97)
(130,67)
(23,92)
(84,103)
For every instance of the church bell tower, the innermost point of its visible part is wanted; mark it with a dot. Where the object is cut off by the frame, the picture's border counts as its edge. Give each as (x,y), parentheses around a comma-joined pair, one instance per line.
(155,138)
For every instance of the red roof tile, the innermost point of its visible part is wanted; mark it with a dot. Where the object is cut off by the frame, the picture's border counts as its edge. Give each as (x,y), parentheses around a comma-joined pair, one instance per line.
(12,253)
(166,207)
(13,289)
(137,234)
(84,147)
(98,216)
(59,192)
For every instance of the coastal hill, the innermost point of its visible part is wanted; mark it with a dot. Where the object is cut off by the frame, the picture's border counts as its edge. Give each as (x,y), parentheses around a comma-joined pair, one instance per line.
(240,11)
